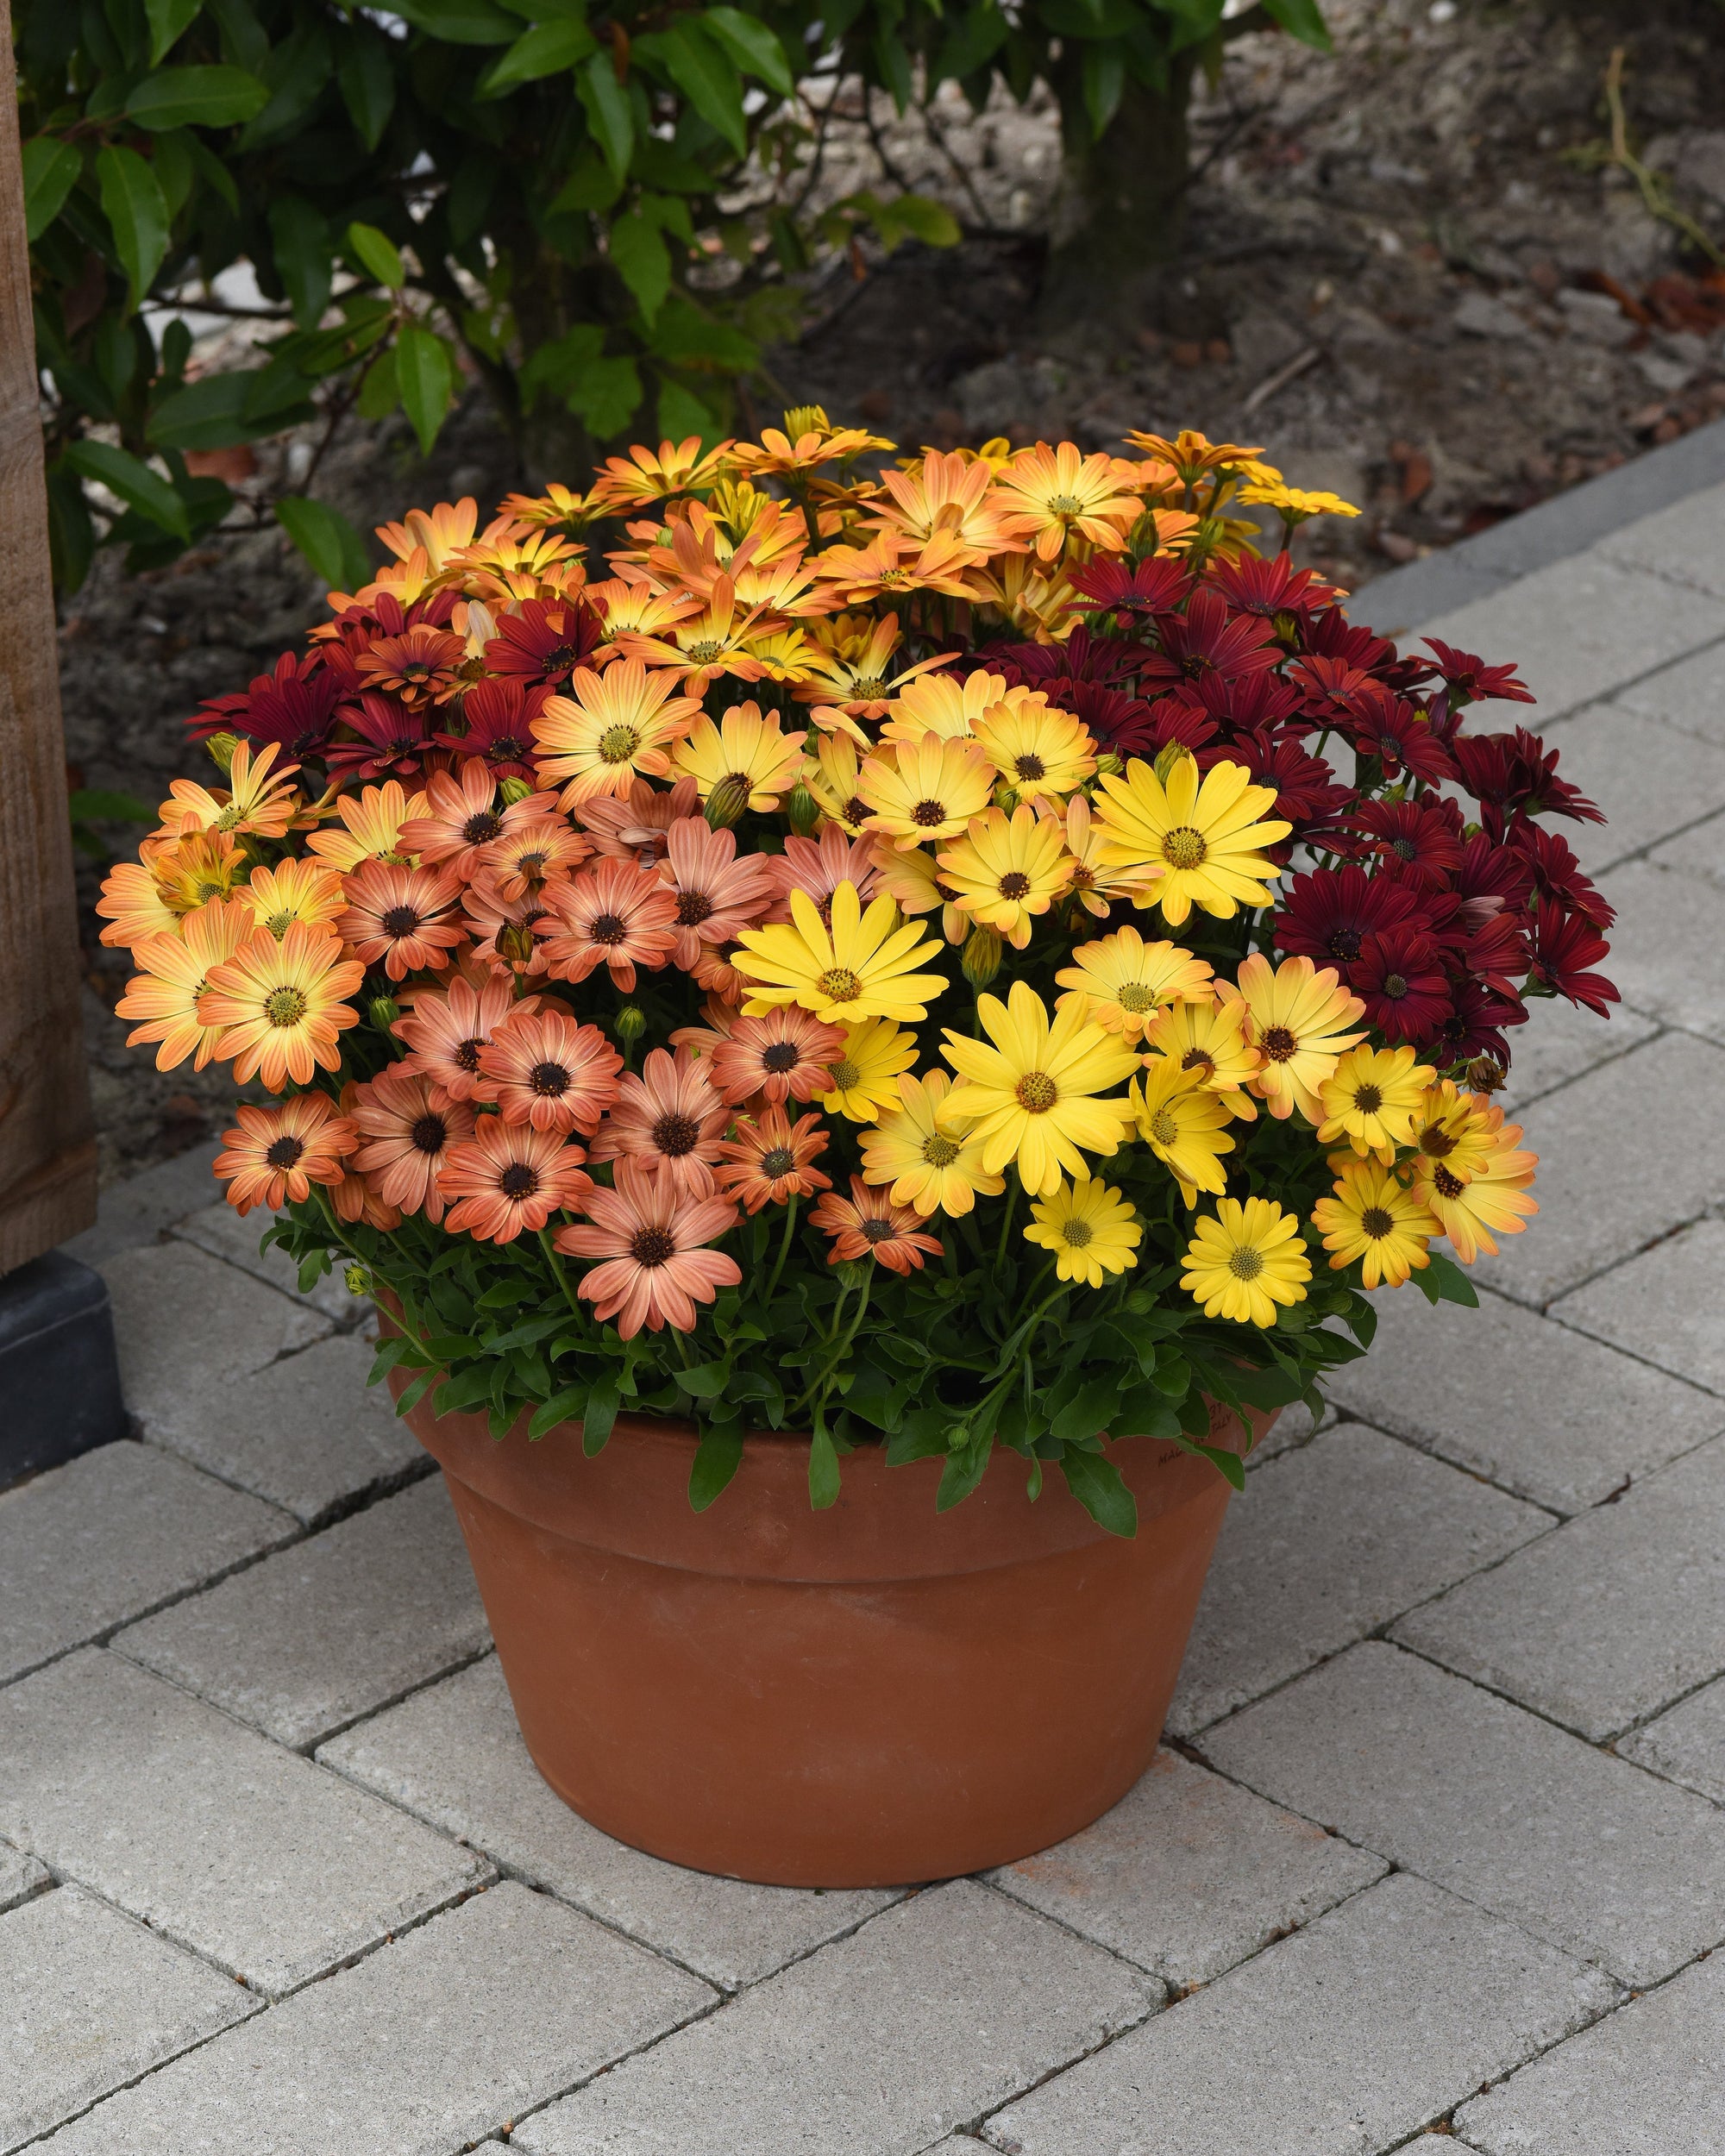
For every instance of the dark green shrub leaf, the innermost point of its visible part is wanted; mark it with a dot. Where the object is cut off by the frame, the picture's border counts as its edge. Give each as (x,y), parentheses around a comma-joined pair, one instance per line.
(459,22)
(196,97)
(425,374)
(642,259)
(169,20)
(210,413)
(367,83)
(1095,1482)
(547,49)
(703,71)
(299,236)
(717,1456)
(72,537)
(133,202)
(606,395)
(823,1471)
(378,254)
(1090,1409)
(327,540)
(1303,19)
(599,1416)
(134,482)
(752,45)
(1443,1281)
(607,106)
(51,169)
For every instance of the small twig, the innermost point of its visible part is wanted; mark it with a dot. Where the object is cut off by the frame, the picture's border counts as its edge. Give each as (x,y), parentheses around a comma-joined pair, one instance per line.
(880,147)
(1272,384)
(1654,186)
(937,135)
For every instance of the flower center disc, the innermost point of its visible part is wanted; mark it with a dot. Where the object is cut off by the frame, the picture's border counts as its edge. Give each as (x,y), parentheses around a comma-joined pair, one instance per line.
(780,1161)
(1278,1043)
(519,1181)
(1029,768)
(1183,848)
(939,1152)
(1448,1186)
(676,1135)
(929,813)
(618,744)
(652,1246)
(1376,1223)
(1037,1093)
(1015,884)
(782,1056)
(1077,1233)
(286,1007)
(693,908)
(608,928)
(1245,1264)
(839,984)
(400,920)
(428,1134)
(844,1075)
(1163,1128)
(1135,997)
(286,1152)
(549,1081)
(1369,1099)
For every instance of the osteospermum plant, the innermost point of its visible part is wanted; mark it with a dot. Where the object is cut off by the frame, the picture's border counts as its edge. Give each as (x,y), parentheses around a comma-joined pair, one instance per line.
(972,955)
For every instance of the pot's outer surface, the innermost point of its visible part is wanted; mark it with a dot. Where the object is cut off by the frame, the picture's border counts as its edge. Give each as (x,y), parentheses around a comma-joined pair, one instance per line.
(871,1696)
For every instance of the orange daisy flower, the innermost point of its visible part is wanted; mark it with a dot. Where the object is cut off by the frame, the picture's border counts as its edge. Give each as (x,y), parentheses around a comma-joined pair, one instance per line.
(353,1197)
(509,1177)
(175,972)
(438,531)
(511,935)
(448,1028)
(671,1117)
(786,1051)
(642,478)
(134,900)
(819,866)
(767,1161)
(868,1223)
(612,915)
(279,1006)
(717,895)
(405,917)
(952,493)
(256,799)
(294,890)
(1052,493)
(422,665)
(408,1126)
(373,823)
(893,565)
(277,1153)
(704,645)
(530,855)
(459,815)
(651,1238)
(541,1067)
(610,729)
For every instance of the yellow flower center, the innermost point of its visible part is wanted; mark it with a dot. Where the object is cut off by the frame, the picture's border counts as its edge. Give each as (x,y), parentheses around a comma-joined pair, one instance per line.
(1066,504)
(870,686)
(1077,1233)
(1037,1093)
(1183,848)
(844,1075)
(229,816)
(1376,1223)
(286,1007)
(618,744)
(1245,1264)
(1368,1098)
(1015,884)
(938,1152)
(839,984)
(1163,1128)
(707,651)
(1135,997)
(279,923)
(926,814)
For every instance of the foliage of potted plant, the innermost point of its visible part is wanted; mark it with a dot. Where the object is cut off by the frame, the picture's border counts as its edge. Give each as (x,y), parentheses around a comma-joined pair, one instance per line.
(860,1052)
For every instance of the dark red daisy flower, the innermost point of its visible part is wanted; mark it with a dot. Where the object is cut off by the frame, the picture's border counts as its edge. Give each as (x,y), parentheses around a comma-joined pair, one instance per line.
(1496,953)
(1516,775)
(1331,634)
(1557,876)
(1308,794)
(1422,838)
(1395,732)
(1564,947)
(1244,703)
(1173,718)
(1327,914)
(1083,657)
(1133,588)
(1468,679)
(1268,585)
(294,706)
(1476,1023)
(1331,691)
(1208,639)
(497,719)
(384,615)
(394,739)
(1400,977)
(545,641)
(1490,872)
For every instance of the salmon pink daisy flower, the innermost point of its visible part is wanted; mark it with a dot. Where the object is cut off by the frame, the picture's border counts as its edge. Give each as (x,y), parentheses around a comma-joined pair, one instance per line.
(406,918)
(459,815)
(786,1052)
(717,895)
(636,826)
(408,1125)
(423,665)
(541,1067)
(448,1028)
(768,1160)
(279,1006)
(511,935)
(533,852)
(277,1153)
(611,915)
(671,1116)
(868,1223)
(509,1178)
(650,1239)
(819,866)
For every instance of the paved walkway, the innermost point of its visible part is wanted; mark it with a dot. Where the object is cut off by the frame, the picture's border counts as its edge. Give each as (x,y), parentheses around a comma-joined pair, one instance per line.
(1435,1860)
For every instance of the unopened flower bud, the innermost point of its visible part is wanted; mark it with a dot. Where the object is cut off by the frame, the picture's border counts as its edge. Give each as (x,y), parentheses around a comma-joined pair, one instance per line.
(221,747)
(853,1271)
(981,959)
(1108,765)
(383,1011)
(631,1022)
(515,944)
(803,419)
(802,810)
(1177,752)
(357,1281)
(514,790)
(1005,796)
(1486,1074)
(727,801)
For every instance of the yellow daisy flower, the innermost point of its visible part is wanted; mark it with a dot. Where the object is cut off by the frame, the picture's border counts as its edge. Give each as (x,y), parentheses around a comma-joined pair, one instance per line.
(745,755)
(1127,981)
(1371,1099)
(1494,1200)
(933,1170)
(1091,1229)
(294,890)
(832,776)
(943,705)
(865,1074)
(1245,1260)
(1032,1095)
(279,1006)
(1209,1038)
(1454,1127)
(1096,882)
(1373,1219)
(1293,1014)
(1006,870)
(1054,492)
(925,789)
(611,729)
(1293,505)
(1201,838)
(860,968)
(1184,1125)
(1044,754)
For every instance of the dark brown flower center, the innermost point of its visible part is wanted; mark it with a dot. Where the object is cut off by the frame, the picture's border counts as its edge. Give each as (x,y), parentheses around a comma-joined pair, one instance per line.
(1345,944)
(854,811)
(608,928)
(782,1056)
(430,1134)
(466,1054)
(549,1081)
(519,1181)
(926,814)
(875,1231)
(480,829)
(1279,1045)
(1446,1185)
(676,1134)
(1015,884)
(1029,768)
(1377,1223)
(779,1160)
(1394,986)
(652,1246)
(1368,1098)
(693,908)
(400,920)
(285,1151)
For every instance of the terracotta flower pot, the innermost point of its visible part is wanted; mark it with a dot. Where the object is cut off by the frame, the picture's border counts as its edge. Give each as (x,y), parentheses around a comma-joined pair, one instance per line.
(866,1696)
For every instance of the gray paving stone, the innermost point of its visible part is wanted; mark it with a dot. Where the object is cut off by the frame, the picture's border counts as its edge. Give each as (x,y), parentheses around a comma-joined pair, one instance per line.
(1327,1544)
(452,1754)
(1293,1427)
(1644,2082)
(1699,851)
(109,1535)
(1365,2026)
(92,2001)
(1665,1305)
(1583,1850)
(219,1229)
(183,1319)
(21,1876)
(1190,1874)
(1606,1622)
(308,1432)
(418,2050)
(1687,1743)
(1512,1395)
(1627,1153)
(1685,543)
(924,2019)
(1560,1043)
(131,1214)
(272,1867)
(331,1629)
(1648,779)
(1580,629)
(1665,955)
(1689,694)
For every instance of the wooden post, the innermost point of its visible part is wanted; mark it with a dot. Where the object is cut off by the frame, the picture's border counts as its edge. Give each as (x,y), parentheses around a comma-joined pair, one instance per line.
(48,1145)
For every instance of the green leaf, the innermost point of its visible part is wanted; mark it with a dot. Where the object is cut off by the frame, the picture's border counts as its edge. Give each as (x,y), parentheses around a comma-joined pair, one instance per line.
(642,259)
(607,106)
(823,1470)
(963,1470)
(367,83)
(212,413)
(378,254)
(600,1415)
(705,1381)
(380,392)
(561,1407)
(137,211)
(169,20)
(141,489)
(752,45)
(1442,1280)
(98,805)
(686,337)
(703,71)
(459,22)
(299,236)
(717,1456)
(425,372)
(1303,19)
(72,537)
(682,413)
(327,540)
(196,97)
(1091,1409)
(51,170)
(606,395)
(547,49)
(1095,1482)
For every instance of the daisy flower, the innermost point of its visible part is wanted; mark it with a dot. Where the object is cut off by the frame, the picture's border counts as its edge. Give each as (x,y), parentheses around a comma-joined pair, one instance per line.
(407,1126)
(1373,1219)
(717,894)
(951,491)
(1209,1038)
(819,866)
(1125,982)
(650,1239)
(615,915)
(868,1223)
(643,477)
(257,801)
(1454,1127)
(947,708)
(1006,870)
(174,973)
(459,814)
(134,900)
(1098,880)
(702,646)
(1293,1014)
(768,1160)
(1052,493)
(611,729)
(833,777)
(928,1168)
(279,1006)
(513,934)
(1493,1201)
(915,883)
(541,1067)
(1091,1229)
(1184,1125)
(894,566)
(372,821)
(746,760)
(498,718)
(446,1029)
(294,890)
(1045,754)
(523,859)
(407,918)
(1032,1095)
(277,1153)
(671,1117)
(1371,1099)
(925,789)
(857,967)
(636,825)
(1245,1260)
(785,1052)
(1200,838)
(853,675)
(423,665)
(509,1177)
(864,1075)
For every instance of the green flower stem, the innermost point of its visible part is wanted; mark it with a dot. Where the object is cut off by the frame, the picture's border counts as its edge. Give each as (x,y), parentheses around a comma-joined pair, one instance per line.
(784,1251)
(816,1394)
(553,1259)
(1007,1221)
